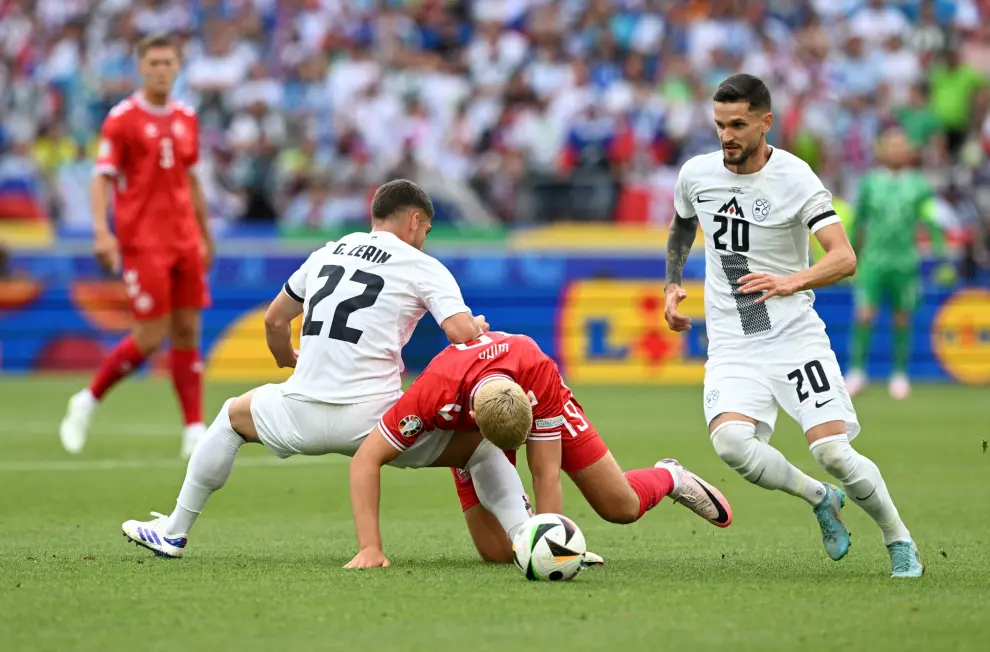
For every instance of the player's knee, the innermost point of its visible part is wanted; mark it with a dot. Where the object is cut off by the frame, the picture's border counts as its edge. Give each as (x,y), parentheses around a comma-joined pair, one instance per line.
(496,554)
(149,336)
(732,441)
(834,455)
(865,316)
(241,420)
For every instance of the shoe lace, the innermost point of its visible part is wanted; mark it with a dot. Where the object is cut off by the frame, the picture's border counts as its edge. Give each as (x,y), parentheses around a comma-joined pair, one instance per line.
(158,516)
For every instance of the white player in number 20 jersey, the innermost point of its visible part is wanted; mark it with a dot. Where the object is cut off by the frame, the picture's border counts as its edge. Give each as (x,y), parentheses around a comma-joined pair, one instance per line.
(767,345)
(360,299)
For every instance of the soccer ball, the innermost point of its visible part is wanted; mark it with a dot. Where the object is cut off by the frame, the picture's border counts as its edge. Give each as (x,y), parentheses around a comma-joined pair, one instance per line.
(549,547)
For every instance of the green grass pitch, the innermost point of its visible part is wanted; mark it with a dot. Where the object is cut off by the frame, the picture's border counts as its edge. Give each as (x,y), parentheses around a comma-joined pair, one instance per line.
(263,570)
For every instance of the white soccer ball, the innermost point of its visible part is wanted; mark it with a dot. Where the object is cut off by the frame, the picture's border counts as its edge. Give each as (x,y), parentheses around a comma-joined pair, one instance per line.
(549,547)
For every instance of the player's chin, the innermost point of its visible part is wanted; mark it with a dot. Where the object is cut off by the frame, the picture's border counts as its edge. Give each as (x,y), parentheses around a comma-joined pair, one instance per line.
(732,156)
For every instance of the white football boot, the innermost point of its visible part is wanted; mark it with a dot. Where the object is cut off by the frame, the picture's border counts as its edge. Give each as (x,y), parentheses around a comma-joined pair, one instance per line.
(900,387)
(152,535)
(856,381)
(191,435)
(697,495)
(75,425)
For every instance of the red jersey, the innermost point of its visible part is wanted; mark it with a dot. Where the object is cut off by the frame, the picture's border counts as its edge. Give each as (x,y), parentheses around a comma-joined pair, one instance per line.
(150,151)
(440,398)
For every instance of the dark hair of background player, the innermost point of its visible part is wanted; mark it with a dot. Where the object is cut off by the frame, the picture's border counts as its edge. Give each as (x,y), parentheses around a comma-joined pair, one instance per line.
(154,41)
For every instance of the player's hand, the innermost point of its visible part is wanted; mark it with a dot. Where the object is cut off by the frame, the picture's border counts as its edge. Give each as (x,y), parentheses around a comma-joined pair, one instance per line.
(369,558)
(290,362)
(674,294)
(770,286)
(207,249)
(482,324)
(107,251)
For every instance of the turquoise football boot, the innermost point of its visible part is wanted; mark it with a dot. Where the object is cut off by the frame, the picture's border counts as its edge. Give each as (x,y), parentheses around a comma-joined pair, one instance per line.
(905,561)
(835,535)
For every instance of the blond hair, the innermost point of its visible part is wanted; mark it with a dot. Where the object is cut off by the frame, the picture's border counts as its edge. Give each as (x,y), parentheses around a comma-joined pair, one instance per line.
(503,413)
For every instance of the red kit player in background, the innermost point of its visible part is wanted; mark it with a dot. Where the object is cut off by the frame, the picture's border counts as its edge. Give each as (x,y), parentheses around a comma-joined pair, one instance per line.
(160,242)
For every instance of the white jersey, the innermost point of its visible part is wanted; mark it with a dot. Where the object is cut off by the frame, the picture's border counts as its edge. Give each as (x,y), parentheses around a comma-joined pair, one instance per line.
(362,298)
(754,223)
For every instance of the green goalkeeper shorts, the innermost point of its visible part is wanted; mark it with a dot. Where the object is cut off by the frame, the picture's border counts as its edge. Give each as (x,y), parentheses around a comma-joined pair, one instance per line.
(875,284)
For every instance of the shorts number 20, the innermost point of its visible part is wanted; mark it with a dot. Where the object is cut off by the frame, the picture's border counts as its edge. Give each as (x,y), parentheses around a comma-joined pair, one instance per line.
(815,374)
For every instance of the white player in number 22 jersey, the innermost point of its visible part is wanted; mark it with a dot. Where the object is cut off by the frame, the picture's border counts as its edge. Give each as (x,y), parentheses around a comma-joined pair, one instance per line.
(360,299)
(767,346)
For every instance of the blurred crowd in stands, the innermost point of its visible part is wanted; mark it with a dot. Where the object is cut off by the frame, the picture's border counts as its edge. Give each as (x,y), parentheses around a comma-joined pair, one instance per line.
(548,109)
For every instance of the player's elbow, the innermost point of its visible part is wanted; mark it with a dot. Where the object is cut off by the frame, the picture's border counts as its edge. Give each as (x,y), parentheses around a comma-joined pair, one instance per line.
(848,262)
(460,328)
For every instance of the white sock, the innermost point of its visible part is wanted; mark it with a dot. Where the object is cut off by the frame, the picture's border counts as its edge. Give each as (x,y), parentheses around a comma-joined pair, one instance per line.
(208,470)
(863,483)
(498,486)
(762,464)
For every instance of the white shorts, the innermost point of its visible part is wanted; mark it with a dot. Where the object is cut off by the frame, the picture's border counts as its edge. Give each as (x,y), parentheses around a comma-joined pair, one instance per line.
(288,426)
(803,377)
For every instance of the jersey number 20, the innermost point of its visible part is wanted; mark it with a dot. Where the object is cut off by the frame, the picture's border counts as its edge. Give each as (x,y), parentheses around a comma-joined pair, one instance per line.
(339,330)
(740,233)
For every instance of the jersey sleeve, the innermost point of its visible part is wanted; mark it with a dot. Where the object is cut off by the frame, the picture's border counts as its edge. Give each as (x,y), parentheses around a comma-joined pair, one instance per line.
(193,164)
(295,287)
(439,291)
(545,395)
(110,155)
(415,412)
(817,211)
(682,196)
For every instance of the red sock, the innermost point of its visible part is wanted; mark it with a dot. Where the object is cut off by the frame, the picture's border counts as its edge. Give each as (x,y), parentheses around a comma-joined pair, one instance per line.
(124,359)
(187,378)
(651,485)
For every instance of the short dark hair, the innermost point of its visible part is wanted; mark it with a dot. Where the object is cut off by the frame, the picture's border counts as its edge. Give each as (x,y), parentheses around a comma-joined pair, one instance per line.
(158,40)
(744,88)
(395,195)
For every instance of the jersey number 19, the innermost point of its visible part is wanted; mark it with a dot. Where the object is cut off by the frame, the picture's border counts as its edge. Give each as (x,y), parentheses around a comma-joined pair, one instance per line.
(339,330)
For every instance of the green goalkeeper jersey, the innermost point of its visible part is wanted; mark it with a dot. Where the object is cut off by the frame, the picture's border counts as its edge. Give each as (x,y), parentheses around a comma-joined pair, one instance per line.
(891,207)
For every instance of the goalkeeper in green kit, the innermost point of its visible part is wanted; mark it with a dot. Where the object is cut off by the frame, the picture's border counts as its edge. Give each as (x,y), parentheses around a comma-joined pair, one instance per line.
(893,202)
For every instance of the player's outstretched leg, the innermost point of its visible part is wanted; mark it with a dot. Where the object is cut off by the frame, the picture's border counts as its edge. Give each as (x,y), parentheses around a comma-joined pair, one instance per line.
(735,441)
(126,358)
(208,470)
(865,486)
(624,498)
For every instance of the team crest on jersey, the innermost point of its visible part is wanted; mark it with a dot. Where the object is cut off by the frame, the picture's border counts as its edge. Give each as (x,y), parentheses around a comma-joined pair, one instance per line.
(410,426)
(711,398)
(732,207)
(150,130)
(761,208)
(178,129)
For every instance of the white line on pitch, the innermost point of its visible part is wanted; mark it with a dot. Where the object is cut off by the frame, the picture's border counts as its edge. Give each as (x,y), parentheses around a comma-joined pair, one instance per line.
(43,428)
(42,466)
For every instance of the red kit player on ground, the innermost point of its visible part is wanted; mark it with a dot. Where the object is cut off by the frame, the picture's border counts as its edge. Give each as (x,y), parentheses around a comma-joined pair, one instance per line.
(160,242)
(561,438)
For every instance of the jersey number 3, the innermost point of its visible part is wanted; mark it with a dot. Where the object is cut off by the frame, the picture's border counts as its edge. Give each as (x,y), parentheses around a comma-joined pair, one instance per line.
(740,233)
(339,330)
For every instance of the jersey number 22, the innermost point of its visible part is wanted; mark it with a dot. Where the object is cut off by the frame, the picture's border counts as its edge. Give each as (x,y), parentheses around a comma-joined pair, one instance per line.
(339,330)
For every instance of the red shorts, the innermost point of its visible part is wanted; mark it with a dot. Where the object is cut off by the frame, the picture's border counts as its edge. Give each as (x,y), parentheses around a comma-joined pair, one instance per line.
(159,282)
(580,447)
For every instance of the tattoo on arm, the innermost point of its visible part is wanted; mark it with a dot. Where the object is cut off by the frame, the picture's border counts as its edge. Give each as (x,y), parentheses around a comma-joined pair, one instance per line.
(679,241)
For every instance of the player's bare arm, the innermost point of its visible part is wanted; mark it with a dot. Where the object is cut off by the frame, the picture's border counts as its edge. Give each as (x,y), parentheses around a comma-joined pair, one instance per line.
(679,242)
(199,207)
(105,246)
(278,329)
(838,262)
(366,489)
(463,327)
(544,465)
